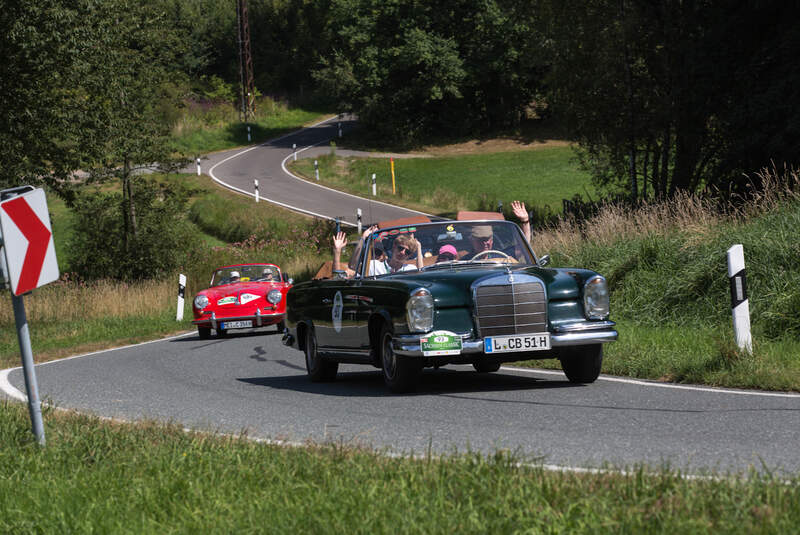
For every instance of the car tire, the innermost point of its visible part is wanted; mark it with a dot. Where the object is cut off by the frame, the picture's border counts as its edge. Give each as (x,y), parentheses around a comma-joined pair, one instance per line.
(222,333)
(581,364)
(400,373)
(281,327)
(319,370)
(483,366)
(204,332)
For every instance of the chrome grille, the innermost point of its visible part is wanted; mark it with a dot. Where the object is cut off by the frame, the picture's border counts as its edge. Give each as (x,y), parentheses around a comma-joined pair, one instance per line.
(514,308)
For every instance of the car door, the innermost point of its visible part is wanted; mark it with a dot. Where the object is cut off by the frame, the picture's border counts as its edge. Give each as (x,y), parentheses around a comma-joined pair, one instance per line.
(336,324)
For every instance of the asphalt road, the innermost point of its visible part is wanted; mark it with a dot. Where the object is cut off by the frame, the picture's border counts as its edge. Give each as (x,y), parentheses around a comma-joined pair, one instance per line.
(237,170)
(250,381)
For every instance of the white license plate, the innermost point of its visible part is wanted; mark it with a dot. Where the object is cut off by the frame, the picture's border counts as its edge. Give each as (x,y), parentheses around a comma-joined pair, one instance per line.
(519,342)
(236,324)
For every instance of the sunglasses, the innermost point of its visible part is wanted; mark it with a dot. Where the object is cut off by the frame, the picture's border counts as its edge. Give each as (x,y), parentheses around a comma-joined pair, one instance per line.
(402,249)
(447,256)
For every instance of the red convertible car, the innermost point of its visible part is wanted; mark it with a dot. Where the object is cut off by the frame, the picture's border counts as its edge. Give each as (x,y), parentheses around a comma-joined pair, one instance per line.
(242,296)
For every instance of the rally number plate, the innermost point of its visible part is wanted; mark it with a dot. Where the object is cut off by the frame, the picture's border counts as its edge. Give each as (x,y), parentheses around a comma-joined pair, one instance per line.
(236,324)
(519,342)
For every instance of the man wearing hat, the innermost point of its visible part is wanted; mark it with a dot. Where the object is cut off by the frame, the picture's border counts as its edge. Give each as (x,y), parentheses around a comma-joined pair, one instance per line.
(481,238)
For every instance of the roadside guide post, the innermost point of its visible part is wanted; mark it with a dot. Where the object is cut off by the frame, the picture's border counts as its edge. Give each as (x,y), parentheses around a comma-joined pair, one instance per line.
(181,295)
(374,186)
(358,218)
(248,133)
(391,164)
(198,166)
(28,262)
(294,151)
(740,307)
(316,169)
(255,185)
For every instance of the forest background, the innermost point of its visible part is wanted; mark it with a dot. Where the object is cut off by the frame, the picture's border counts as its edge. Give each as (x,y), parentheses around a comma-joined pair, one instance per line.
(659,99)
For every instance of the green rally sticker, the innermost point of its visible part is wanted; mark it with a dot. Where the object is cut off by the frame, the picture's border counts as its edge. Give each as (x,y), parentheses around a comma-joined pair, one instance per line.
(440,343)
(227,300)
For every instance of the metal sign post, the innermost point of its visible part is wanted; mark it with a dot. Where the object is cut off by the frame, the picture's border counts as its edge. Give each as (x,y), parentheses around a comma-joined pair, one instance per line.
(28,261)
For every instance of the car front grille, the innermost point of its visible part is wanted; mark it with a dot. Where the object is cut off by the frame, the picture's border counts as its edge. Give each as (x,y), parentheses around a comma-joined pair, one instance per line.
(515,308)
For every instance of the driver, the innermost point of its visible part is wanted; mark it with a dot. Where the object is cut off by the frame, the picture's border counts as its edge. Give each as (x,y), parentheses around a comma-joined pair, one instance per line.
(266,274)
(481,239)
(234,276)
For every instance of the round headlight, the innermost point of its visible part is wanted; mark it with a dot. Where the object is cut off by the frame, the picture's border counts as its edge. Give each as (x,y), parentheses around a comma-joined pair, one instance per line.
(200,302)
(595,298)
(274,296)
(419,311)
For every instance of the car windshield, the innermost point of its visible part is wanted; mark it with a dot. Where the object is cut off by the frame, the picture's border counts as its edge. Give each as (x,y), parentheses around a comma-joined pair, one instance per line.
(446,244)
(248,273)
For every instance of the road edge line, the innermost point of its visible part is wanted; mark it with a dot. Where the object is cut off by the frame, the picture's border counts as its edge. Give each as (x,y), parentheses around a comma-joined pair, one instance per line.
(12,391)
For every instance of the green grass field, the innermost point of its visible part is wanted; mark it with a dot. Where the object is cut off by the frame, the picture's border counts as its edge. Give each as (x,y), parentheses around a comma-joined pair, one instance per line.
(443,185)
(205,139)
(103,477)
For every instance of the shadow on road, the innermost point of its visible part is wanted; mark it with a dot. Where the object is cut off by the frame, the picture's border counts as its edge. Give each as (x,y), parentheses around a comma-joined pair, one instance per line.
(432,382)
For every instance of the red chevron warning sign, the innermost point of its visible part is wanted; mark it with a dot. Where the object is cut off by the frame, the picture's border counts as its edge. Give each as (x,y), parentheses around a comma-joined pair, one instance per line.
(28,242)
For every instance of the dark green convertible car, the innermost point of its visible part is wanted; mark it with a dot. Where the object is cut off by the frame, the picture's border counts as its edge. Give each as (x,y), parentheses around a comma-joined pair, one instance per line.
(427,294)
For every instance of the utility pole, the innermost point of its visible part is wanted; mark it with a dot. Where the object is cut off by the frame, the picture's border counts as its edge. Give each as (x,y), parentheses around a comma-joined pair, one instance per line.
(248,89)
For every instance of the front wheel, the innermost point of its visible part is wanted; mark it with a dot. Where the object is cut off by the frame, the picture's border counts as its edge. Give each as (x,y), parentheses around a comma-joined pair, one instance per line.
(482,366)
(319,370)
(204,332)
(399,373)
(281,327)
(581,364)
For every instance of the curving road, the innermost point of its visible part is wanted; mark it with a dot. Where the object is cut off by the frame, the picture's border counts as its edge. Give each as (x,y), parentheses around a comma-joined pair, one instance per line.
(266,163)
(250,381)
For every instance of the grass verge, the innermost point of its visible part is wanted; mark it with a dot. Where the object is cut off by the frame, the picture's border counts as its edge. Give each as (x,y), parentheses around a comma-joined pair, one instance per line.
(195,138)
(443,185)
(150,478)
(701,354)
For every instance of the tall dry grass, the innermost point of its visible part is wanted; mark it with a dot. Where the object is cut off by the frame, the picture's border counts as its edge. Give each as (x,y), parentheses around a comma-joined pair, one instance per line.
(70,300)
(685,212)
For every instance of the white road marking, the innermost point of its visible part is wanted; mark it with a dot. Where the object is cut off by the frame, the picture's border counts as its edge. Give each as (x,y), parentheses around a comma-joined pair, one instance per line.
(654,384)
(286,170)
(12,391)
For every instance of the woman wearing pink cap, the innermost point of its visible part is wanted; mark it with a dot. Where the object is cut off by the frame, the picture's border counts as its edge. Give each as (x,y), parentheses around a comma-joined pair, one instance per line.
(447,253)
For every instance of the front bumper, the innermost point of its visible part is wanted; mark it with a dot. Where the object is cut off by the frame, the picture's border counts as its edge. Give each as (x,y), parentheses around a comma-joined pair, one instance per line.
(575,334)
(258,319)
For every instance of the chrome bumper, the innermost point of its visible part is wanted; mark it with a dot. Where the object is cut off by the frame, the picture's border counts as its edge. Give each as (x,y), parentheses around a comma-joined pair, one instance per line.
(565,335)
(258,318)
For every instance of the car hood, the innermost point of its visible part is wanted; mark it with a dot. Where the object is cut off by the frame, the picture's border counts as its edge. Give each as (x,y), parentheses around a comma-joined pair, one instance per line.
(257,288)
(452,287)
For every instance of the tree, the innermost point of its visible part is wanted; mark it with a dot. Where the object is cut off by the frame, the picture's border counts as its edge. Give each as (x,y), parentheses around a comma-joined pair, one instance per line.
(415,69)
(675,96)
(46,110)
(133,96)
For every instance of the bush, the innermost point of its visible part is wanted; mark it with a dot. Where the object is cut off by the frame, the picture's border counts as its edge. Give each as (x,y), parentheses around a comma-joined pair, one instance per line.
(102,246)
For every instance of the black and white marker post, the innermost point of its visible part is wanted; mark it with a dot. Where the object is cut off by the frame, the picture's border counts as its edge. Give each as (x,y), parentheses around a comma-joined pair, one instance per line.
(374,186)
(255,185)
(198,166)
(358,218)
(294,152)
(316,170)
(740,307)
(181,296)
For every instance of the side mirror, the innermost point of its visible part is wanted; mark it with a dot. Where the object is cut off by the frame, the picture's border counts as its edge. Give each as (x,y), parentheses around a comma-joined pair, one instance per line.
(544,260)
(290,281)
